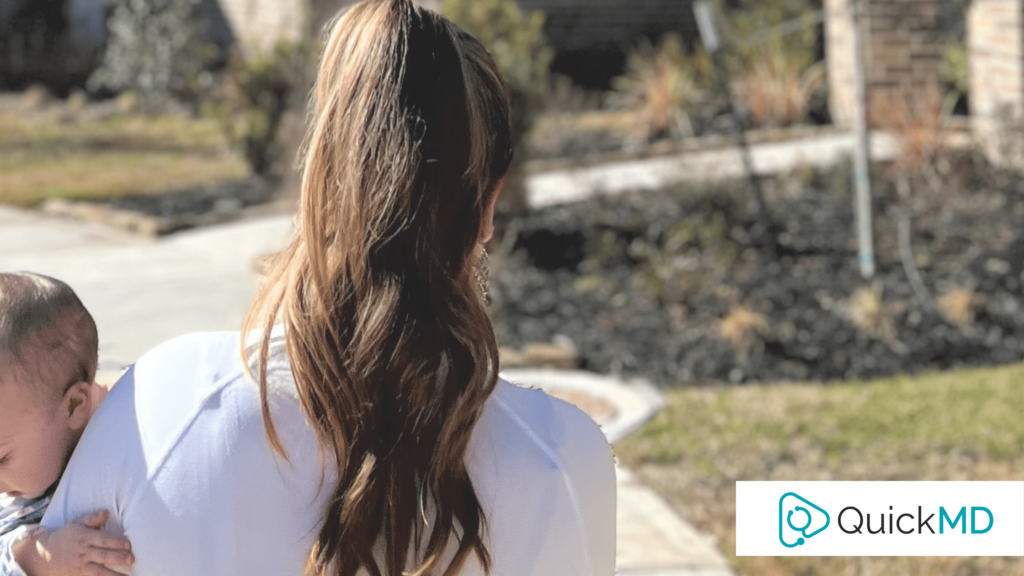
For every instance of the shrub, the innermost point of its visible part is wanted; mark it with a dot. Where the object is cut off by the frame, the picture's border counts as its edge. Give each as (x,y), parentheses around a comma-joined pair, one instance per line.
(156,48)
(872,316)
(919,125)
(953,69)
(662,84)
(743,327)
(254,97)
(957,306)
(516,41)
(778,74)
(777,88)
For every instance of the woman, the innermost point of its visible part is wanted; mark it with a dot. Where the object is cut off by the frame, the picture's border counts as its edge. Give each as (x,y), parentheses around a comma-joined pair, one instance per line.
(377,438)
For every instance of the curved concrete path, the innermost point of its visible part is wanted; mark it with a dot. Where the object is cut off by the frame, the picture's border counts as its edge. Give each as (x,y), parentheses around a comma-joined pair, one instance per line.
(608,179)
(652,539)
(143,291)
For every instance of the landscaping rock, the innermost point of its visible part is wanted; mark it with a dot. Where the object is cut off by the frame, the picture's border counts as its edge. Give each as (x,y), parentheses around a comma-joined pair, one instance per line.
(644,284)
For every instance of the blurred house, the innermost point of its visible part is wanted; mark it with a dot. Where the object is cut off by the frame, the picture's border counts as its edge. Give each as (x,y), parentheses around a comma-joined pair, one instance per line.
(592,37)
(55,42)
(58,42)
(256,26)
(903,56)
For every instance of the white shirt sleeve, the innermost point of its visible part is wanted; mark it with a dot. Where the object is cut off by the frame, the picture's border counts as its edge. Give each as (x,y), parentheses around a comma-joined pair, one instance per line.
(178,454)
(107,467)
(544,473)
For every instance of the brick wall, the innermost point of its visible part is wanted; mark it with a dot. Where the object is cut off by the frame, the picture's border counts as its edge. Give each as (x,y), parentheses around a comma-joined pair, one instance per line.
(995,44)
(902,47)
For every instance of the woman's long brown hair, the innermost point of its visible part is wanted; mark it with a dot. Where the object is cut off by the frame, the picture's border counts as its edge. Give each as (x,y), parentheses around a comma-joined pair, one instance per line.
(388,338)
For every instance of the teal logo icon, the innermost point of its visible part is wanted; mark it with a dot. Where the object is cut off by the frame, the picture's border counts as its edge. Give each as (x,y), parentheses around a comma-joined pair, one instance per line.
(799,519)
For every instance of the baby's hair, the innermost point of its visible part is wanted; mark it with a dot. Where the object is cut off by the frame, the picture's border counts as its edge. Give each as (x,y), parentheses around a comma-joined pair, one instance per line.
(48,340)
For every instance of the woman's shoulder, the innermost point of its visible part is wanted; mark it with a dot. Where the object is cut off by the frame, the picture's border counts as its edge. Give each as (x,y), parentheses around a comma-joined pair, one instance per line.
(528,420)
(209,349)
(545,476)
(201,362)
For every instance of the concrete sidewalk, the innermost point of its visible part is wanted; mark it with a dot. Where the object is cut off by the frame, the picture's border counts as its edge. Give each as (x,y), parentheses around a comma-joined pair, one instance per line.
(143,291)
(140,290)
(575,184)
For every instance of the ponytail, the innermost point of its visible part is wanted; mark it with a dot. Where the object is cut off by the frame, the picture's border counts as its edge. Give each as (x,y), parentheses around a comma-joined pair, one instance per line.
(388,337)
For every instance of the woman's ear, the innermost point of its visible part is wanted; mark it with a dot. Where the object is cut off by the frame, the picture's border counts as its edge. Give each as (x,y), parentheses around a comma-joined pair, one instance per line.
(488,223)
(78,405)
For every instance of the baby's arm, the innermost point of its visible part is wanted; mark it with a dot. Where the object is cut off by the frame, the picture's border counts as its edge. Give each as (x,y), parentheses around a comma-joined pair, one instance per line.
(80,547)
(8,565)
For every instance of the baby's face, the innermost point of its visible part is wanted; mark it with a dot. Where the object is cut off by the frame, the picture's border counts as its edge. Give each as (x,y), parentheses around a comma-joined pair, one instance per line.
(35,440)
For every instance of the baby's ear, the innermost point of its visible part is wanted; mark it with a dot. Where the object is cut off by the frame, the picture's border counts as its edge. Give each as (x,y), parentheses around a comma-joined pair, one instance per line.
(78,404)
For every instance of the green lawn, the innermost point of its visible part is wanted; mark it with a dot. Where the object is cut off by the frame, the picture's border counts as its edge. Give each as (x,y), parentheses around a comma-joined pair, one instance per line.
(966,425)
(57,155)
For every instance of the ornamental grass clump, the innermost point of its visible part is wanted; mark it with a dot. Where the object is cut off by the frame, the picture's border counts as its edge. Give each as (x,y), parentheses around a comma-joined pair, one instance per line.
(773,55)
(778,87)
(744,328)
(662,85)
(957,306)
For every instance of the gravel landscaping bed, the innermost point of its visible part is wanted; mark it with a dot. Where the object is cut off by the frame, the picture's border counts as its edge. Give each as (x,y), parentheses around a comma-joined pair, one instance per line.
(673,285)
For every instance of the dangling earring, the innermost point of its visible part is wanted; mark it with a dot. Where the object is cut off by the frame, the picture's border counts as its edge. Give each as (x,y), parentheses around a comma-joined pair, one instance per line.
(483,275)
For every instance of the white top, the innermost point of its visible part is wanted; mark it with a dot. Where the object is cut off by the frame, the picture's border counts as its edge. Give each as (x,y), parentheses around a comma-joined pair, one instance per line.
(178,453)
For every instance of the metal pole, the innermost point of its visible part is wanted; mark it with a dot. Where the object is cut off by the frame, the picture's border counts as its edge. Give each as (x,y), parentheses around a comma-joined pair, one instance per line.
(764,231)
(861,150)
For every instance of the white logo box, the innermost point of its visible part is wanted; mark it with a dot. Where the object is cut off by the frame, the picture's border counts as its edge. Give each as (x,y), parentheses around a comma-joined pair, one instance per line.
(997,508)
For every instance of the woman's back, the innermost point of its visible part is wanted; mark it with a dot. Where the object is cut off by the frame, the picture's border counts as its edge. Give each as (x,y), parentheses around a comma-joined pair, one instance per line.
(179,455)
(385,442)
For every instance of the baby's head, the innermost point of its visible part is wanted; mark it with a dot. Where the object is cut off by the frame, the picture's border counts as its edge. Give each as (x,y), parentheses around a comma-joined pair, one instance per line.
(48,357)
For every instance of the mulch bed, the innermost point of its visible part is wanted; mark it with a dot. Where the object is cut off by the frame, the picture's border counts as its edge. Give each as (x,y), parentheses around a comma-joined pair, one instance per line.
(675,285)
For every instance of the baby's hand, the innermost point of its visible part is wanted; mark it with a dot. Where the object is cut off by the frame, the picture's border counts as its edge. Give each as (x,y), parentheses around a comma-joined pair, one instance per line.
(79,548)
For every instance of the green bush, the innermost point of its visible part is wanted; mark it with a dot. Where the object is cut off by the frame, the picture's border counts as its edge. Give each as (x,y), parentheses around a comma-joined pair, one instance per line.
(953,69)
(157,49)
(253,99)
(516,41)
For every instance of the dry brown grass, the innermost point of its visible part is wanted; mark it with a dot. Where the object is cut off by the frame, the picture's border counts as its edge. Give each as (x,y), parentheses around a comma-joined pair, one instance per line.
(868,312)
(52,154)
(778,88)
(659,85)
(918,123)
(957,306)
(946,426)
(742,328)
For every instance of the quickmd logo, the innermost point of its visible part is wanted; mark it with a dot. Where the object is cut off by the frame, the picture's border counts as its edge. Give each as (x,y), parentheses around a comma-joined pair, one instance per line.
(879,518)
(853,521)
(799,519)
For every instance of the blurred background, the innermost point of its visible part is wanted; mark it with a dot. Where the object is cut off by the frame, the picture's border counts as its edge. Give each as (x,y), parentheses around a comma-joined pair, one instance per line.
(682,209)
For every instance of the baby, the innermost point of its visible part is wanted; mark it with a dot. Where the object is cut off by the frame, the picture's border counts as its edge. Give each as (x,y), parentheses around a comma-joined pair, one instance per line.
(48,357)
